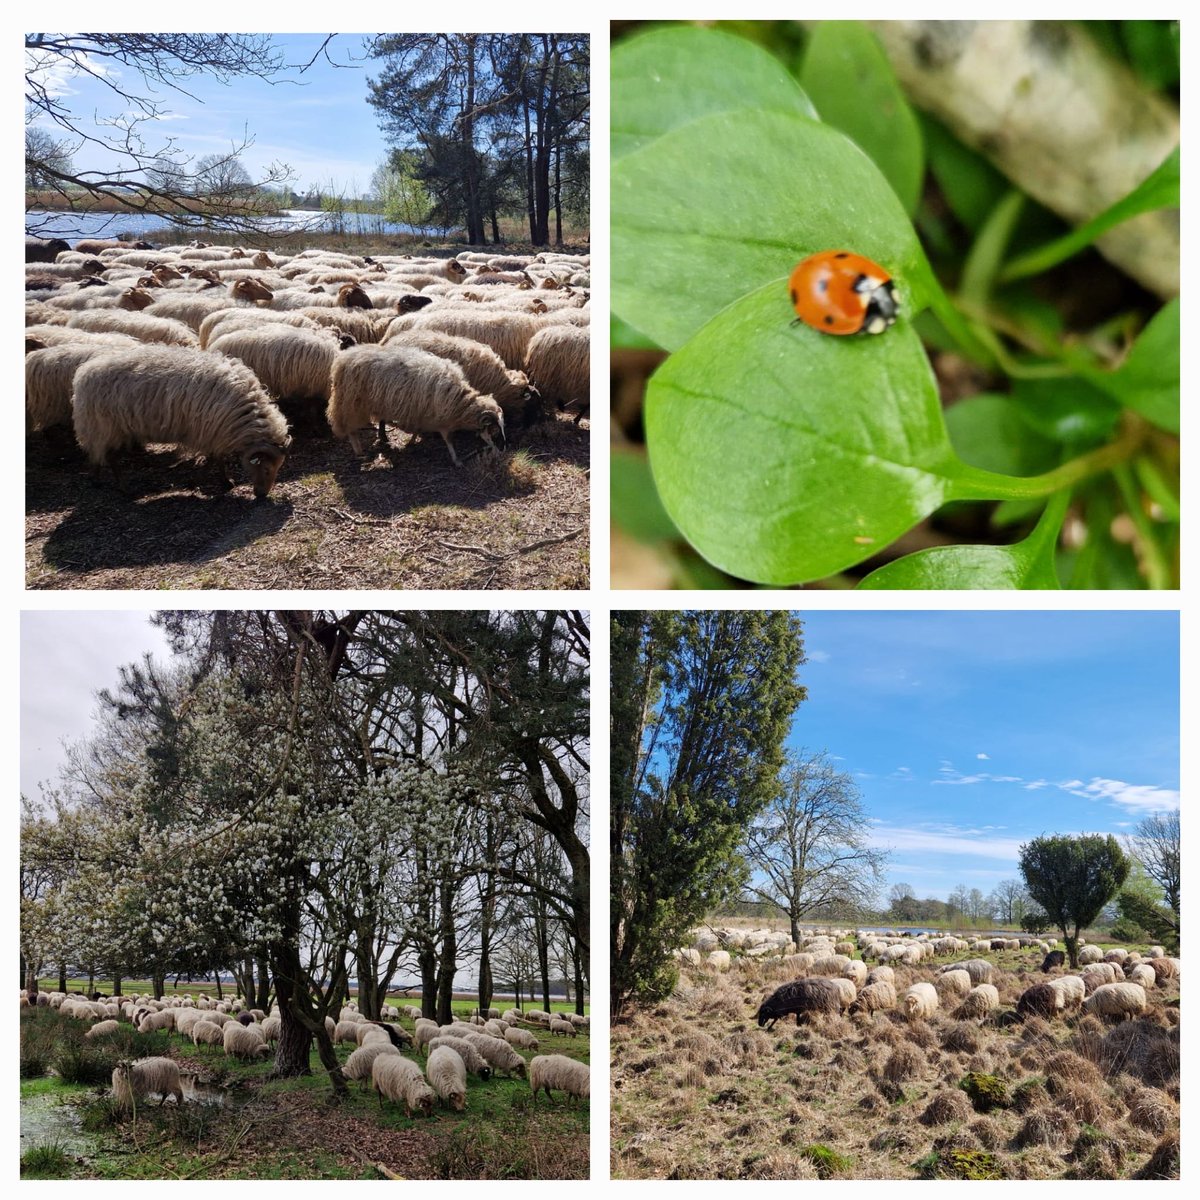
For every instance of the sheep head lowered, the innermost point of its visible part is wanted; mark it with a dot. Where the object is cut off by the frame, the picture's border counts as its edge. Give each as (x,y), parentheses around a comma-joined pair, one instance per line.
(262,466)
(350,295)
(407,304)
(135,299)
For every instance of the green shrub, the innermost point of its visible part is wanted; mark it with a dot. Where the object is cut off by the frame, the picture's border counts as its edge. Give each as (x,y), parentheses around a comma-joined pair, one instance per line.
(985,1091)
(48,1160)
(827,1162)
(959,1164)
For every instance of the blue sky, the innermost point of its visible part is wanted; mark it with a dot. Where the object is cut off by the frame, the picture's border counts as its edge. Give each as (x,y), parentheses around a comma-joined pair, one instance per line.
(971,732)
(320,125)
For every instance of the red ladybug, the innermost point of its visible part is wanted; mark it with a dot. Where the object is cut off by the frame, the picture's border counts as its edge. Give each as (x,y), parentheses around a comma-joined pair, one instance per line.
(839,292)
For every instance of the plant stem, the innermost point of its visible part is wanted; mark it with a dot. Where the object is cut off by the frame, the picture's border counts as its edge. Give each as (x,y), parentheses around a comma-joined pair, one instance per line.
(972,483)
(1158,570)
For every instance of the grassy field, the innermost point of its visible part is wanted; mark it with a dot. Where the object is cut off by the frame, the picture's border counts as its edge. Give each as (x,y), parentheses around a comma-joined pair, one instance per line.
(700,1092)
(238,1123)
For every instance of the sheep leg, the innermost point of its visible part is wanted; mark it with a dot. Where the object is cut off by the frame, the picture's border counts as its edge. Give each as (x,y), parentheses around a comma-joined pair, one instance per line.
(450,447)
(383,437)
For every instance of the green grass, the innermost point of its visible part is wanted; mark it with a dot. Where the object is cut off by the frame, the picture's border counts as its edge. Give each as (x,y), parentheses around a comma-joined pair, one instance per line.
(500,1135)
(49,1160)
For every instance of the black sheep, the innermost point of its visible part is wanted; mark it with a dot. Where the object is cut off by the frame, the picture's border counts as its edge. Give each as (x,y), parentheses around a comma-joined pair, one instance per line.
(1055,958)
(800,996)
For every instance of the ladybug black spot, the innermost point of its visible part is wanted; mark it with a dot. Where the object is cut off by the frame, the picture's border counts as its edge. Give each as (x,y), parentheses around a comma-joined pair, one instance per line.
(828,320)
(795,298)
(841,254)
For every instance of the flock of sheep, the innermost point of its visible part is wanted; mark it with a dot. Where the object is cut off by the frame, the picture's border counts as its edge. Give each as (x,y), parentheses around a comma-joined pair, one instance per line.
(828,979)
(479,1047)
(197,346)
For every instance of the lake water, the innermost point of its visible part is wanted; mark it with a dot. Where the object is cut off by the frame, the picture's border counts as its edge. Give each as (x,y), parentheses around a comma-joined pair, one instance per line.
(72,226)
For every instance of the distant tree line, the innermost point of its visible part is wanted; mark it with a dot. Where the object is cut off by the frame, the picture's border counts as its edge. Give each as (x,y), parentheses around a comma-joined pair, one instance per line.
(487,124)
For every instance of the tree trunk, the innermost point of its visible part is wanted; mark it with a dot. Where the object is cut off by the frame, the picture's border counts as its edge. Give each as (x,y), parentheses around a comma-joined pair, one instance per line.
(262,995)
(578,964)
(31,980)
(449,959)
(62,977)
(542,937)
(558,237)
(116,986)
(158,983)
(427,960)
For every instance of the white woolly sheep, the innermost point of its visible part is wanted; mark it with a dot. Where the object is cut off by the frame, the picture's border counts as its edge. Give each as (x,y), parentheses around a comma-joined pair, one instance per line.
(719,960)
(979,969)
(564,1027)
(509,334)
(830,964)
(847,992)
(1097,974)
(358,1065)
(401,1081)
(473,1060)
(978,1002)
(686,954)
(875,997)
(212,405)
(347,1031)
(1073,990)
(1120,1000)
(185,1020)
(495,1026)
(487,374)
(50,381)
(856,972)
(207,1033)
(413,389)
(1143,974)
(270,1029)
(1156,952)
(1090,954)
(1116,955)
(920,1000)
(499,1054)
(140,325)
(548,1071)
(157,1020)
(134,1081)
(522,1039)
(880,975)
(558,363)
(244,1041)
(958,982)
(367,328)
(103,1028)
(447,1075)
(231,320)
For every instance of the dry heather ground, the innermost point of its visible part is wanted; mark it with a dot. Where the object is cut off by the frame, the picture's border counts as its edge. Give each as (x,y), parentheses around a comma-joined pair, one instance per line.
(700,1092)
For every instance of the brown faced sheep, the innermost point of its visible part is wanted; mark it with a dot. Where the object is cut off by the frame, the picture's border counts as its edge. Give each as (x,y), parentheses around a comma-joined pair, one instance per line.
(416,391)
(213,405)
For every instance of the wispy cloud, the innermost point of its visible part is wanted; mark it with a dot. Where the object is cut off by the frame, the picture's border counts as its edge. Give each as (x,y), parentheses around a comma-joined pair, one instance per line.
(819,656)
(945,840)
(1140,798)
(985,757)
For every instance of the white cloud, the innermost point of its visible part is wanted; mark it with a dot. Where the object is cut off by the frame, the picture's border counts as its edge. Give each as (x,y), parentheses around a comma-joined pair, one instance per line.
(821,656)
(983,756)
(1140,798)
(945,840)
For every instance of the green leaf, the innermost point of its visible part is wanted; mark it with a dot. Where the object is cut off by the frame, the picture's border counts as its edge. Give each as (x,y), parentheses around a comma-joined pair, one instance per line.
(671,76)
(1153,48)
(1068,410)
(1148,380)
(623,336)
(971,185)
(636,507)
(718,207)
(785,455)
(991,432)
(1160,189)
(849,78)
(1029,565)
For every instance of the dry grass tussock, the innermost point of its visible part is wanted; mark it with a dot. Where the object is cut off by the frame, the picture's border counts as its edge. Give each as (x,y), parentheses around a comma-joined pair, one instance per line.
(700,1092)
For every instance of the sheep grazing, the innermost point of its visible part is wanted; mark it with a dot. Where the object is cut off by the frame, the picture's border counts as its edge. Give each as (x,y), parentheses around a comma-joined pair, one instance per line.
(558,363)
(381,1030)
(1041,1000)
(1143,975)
(157,1020)
(347,1031)
(920,1000)
(400,1080)
(102,1029)
(361,1061)
(1164,968)
(1072,988)
(134,1081)
(548,1071)
(290,363)
(1096,974)
(522,1039)
(1056,958)
(499,1054)
(875,997)
(142,325)
(957,981)
(881,975)
(207,1033)
(447,1075)
(564,1027)
(810,997)
(413,389)
(244,1041)
(472,1058)
(486,373)
(979,969)
(1119,1000)
(212,405)
(978,1002)
(1090,954)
